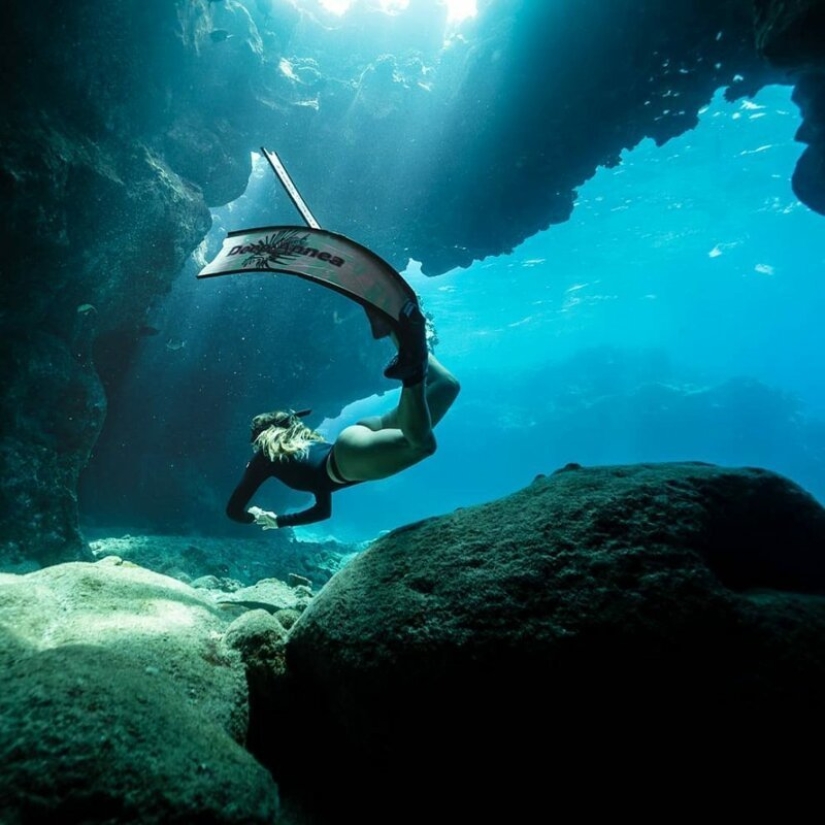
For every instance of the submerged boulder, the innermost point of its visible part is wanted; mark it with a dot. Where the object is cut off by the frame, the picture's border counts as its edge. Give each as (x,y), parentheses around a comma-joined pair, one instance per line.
(608,625)
(121,703)
(603,622)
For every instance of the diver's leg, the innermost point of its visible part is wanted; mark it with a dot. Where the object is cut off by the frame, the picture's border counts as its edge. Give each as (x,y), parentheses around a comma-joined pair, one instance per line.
(410,335)
(367,455)
(362,454)
(442,388)
(378,447)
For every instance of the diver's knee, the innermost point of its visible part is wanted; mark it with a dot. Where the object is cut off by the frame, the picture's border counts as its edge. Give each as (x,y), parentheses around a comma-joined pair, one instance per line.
(426,446)
(448,387)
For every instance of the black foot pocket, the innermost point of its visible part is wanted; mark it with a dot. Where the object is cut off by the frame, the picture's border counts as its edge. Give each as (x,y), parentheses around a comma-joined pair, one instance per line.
(409,372)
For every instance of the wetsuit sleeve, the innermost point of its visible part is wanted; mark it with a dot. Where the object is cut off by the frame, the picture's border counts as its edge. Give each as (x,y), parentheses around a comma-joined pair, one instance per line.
(322,509)
(254,475)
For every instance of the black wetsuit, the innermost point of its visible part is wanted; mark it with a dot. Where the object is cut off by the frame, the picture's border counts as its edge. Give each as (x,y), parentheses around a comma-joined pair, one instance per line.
(308,474)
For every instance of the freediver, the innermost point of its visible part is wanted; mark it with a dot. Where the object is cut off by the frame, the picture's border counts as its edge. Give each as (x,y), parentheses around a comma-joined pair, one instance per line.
(373,448)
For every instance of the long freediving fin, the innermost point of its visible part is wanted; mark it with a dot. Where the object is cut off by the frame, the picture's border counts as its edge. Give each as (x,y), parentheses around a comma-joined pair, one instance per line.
(321,256)
(291,189)
(317,255)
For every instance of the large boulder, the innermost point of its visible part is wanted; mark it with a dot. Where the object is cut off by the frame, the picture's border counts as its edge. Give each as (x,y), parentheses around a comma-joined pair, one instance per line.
(121,703)
(607,621)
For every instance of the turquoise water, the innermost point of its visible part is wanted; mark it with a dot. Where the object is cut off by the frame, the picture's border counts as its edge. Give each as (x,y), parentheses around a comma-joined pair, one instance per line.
(685,267)
(675,316)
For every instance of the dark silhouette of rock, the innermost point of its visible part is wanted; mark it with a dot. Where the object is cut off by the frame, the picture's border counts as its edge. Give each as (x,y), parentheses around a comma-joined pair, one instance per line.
(809,176)
(790,33)
(610,620)
(52,408)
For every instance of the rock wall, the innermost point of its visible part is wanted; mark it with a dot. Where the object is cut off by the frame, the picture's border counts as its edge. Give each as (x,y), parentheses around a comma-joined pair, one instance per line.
(791,36)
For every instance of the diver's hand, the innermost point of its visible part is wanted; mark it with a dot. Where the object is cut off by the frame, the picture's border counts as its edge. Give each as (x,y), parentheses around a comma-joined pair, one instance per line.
(264,518)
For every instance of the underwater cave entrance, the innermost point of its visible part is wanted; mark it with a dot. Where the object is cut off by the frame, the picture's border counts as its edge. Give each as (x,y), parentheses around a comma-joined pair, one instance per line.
(683,267)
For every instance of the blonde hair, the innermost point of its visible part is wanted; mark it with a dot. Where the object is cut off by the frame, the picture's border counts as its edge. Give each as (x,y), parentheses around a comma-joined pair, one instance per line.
(286,438)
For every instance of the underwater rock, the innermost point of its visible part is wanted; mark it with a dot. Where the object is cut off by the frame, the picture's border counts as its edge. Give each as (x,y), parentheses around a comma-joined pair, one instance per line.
(259,639)
(229,564)
(115,225)
(791,36)
(809,176)
(270,595)
(791,33)
(121,703)
(482,660)
(52,409)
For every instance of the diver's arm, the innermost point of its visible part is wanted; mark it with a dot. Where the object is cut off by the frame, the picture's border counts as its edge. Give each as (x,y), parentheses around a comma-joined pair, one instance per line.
(322,509)
(253,477)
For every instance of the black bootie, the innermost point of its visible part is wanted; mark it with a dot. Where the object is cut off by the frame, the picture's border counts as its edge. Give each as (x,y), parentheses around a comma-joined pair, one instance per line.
(410,364)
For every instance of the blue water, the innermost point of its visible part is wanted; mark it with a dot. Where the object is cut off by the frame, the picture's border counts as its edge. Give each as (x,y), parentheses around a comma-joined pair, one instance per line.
(685,266)
(675,316)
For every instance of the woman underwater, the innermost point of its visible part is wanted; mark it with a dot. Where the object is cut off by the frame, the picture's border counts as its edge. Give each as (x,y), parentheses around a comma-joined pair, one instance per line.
(371,449)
